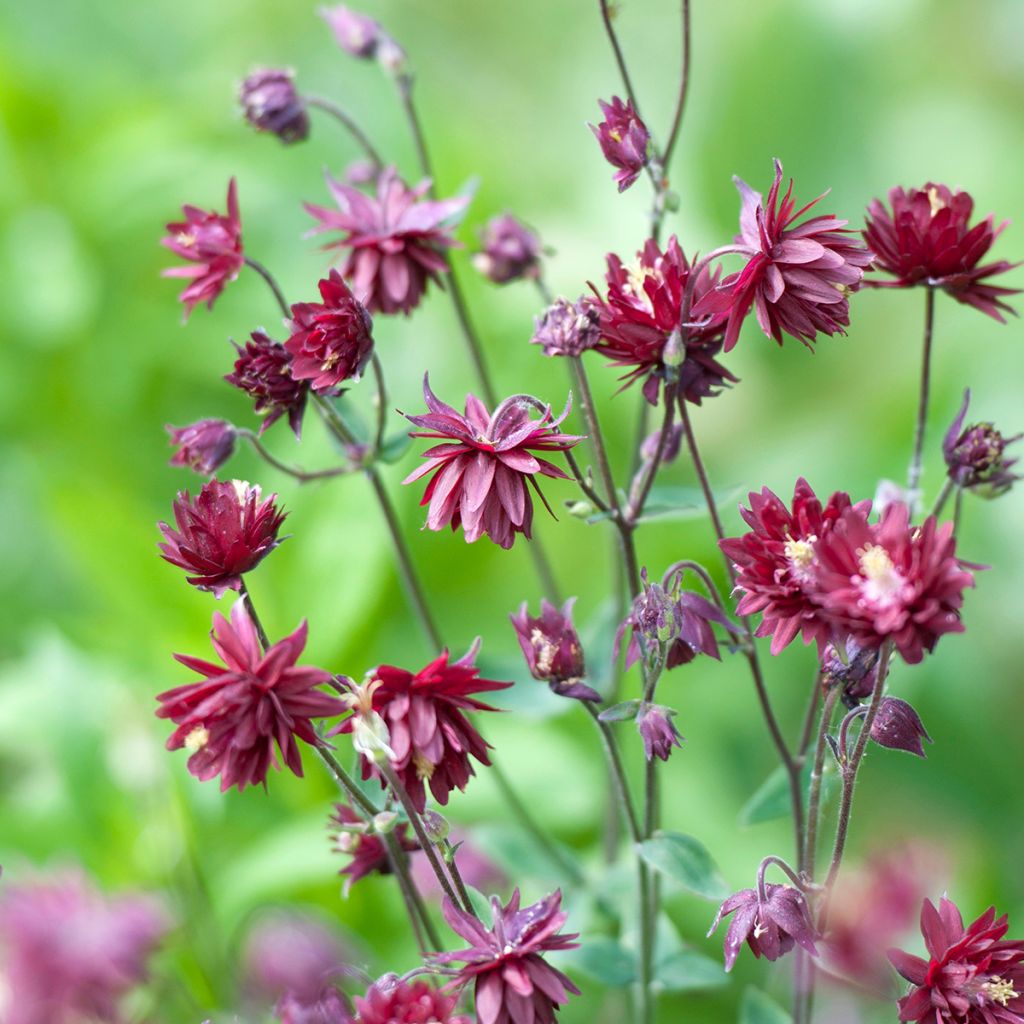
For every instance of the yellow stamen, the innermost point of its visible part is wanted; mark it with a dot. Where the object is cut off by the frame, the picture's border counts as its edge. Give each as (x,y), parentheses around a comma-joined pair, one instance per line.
(184,238)
(935,200)
(197,739)
(424,768)
(800,553)
(999,991)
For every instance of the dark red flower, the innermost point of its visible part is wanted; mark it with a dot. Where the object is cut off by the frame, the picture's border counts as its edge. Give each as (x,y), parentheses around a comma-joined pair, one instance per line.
(263,370)
(770,926)
(224,532)
(211,241)
(552,649)
(330,341)
(796,278)
(641,325)
(624,140)
(972,975)
(482,470)
(658,732)
(366,849)
(510,251)
(69,952)
(775,563)
(203,446)
(890,580)
(395,242)
(567,328)
(231,720)
(431,738)
(271,104)
(975,456)
(513,983)
(389,1000)
(926,239)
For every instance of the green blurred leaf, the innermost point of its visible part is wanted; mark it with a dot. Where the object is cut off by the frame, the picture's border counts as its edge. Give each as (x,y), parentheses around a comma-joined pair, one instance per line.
(606,961)
(394,447)
(673,502)
(620,712)
(688,970)
(772,800)
(481,904)
(757,1008)
(685,860)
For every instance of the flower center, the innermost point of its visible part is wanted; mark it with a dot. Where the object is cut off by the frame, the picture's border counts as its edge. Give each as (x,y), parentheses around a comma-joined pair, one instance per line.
(999,990)
(935,200)
(185,239)
(197,739)
(545,651)
(636,275)
(424,767)
(881,582)
(800,555)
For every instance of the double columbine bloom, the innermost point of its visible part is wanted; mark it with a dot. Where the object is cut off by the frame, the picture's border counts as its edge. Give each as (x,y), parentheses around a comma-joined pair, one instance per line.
(512,982)
(231,720)
(973,975)
(263,370)
(394,244)
(390,1000)
(925,238)
(430,740)
(797,276)
(212,242)
(483,470)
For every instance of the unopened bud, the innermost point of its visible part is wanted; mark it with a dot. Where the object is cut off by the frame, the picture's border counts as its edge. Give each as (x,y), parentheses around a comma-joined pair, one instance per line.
(371,738)
(580,509)
(384,822)
(898,726)
(436,826)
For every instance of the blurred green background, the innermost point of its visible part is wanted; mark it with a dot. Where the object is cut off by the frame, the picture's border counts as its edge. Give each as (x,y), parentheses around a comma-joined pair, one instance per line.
(113,113)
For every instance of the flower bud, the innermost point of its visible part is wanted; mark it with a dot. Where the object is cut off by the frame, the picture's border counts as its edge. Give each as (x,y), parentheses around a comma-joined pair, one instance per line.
(975,456)
(203,446)
(856,673)
(898,726)
(659,735)
(510,251)
(552,649)
(384,822)
(436,826)
(624,139)
(271,103)
(567,328)
(361,36)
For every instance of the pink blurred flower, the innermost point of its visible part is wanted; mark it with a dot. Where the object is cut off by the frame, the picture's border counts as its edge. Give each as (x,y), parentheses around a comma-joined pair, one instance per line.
(389,1000)
(624,140)
(231,720)
(211,241)
(271,104)
(510,251)
(365,849)
(475,867)
(394,243)
(360,36)
(482,469)
(203,446)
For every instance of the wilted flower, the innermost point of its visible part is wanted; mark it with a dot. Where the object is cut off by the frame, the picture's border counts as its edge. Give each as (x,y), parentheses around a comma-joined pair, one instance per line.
(510,250)
(482,470)
(775,563)
(925,239)
(624,140)
(567,328)
(330,341)
(203,446)
(975,456)
(361,36)
(657,731)
(972,975)
(513,984)
(552,649)
(395,243)
(389,1000)
(431,738)
(271,104)
(856,673)
(641,327)
(898,726)
(770,926)
(224,532)
(366,849)
(890,580)
(263,370)
(796,278)
(69,952)
(211,241)
(231,720)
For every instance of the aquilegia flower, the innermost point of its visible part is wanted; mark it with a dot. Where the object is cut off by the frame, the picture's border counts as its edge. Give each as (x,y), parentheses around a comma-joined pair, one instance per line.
(366,850)
(797,275)
(769,926)
(231,720)
(389,1000)
(330,340)
(657,731)
(513,983)
(271,103)
(213,243)
(481,471)
(360,36)
(69,952)
(394,243)
(263,370)
(640,322)
(224,532)
(203,446)
(975,456)
(429,734)
(926,239)
(552,649)
(775,563)
(624,140)
(567,328)
(972,975)
(510,251)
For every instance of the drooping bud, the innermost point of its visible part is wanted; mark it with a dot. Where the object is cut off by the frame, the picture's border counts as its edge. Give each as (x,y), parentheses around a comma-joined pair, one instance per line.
(657,731)
(271,103)
(552,649)
(361,36)
(898,726)
(975,456)
(567,328)
(510,251)
(436,826)
(203,446)
(624,140)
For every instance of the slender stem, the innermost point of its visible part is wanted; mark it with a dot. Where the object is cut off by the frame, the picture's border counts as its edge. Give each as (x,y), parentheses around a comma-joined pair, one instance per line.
(614,758)
(404,81)
(271,283)
(393,852)
(940,501)
(350,125)
(814,799)
(684,82)
(302,475)
(453,867)
(808,726)
(957,506)
(643,417)
(620,60)
(243,591)
(382,403)
(914,475)
(595,499)
(637,505)
(589,409)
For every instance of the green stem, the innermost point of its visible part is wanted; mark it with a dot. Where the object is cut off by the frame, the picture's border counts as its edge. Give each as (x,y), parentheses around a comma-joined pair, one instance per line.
(618,774)
(302,475)
(271,284)
(914,474)
(350,126)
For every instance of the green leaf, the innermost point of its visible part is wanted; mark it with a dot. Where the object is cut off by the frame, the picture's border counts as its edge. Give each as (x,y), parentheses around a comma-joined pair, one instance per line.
(605,960)
(688,970)
(685,860)
(481,904)
(772,799)
(620,712)
(757,1008)
(673,502)
(394,447)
